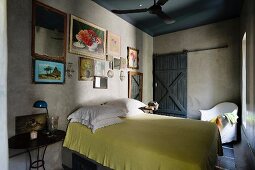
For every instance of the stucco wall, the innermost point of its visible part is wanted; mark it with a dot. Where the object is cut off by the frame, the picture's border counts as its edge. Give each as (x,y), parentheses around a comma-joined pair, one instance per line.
(62,99)
(213,75)
(3,86)
(248,26)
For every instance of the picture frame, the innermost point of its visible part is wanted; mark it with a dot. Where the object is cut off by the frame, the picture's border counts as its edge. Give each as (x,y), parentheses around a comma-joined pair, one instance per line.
(113,44)
(99,68)
(100,82)
(109,58)
(48,72)
(87,39)
(123,63)
(110,65)
(28,123)
(135,85)
(86,69)
(49,29)
(116,63)
(133,58)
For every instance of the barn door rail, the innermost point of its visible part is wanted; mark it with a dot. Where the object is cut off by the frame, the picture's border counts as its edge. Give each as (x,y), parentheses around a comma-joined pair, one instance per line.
(194,50)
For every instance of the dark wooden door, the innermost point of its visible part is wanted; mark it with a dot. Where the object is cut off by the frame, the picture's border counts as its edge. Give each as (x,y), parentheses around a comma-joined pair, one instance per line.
(170,84)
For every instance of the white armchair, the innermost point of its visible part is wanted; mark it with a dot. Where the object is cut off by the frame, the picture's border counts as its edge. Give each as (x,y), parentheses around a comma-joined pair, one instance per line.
(229,131)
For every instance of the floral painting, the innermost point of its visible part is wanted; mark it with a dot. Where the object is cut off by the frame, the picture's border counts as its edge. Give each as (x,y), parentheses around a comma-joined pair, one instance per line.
(132,58)
(48,72)
(86,38)
(86,69)
(113,44)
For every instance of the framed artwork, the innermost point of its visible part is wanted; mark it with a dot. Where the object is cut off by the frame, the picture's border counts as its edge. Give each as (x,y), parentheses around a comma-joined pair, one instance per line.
(123,63)
(113,44)
(100,82)
(86,38)
(99,68)
(48,72)
(135,85)
(49,27)
(109,58)
(86,69)
(110,65)
(116,63)
(132,58)
(110,73)
(28,123)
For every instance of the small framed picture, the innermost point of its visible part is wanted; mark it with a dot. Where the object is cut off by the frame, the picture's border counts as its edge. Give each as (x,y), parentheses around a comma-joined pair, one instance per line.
(113,44)
(116,63)
(109,58)
(48,72)
(86,69)
(99,68)
(100,82)
(28,123)
(111,65)
(132,57)
(123,63)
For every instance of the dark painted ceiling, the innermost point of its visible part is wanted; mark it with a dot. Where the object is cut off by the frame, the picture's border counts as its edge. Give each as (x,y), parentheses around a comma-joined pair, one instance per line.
(186,13)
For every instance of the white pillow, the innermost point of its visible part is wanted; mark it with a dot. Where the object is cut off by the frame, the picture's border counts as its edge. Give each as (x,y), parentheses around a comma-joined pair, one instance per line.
(99,124)
(92,114)
(104,123)
(131,105)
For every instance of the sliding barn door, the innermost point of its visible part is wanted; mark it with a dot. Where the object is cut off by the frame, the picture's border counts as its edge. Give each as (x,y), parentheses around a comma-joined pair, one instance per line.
(170,84)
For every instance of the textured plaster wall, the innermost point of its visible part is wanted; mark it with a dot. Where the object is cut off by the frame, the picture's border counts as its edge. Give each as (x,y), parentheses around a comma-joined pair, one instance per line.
(62,99)
(248,26)
(213,75)
(3,86)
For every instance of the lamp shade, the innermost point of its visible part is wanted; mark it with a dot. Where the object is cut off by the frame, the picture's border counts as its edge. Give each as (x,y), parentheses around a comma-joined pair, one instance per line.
(40,104)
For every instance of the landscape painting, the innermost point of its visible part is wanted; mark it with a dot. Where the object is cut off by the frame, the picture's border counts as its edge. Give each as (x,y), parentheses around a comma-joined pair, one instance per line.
(87,39)
(49,72)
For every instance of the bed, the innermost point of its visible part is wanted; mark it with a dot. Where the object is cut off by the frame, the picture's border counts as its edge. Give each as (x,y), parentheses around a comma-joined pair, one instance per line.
(148,142)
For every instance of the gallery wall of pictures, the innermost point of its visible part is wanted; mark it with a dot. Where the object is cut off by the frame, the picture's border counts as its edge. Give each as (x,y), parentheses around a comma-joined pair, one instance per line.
(98,50)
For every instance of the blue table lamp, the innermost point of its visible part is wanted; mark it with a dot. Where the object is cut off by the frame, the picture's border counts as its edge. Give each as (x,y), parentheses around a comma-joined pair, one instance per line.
(41,104)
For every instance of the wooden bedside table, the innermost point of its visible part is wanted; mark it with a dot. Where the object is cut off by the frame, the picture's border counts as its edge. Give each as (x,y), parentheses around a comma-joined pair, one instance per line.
(23,141)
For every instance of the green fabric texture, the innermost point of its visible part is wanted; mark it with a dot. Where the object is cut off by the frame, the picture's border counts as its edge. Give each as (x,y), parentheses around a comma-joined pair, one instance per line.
(148,142)
(232,117)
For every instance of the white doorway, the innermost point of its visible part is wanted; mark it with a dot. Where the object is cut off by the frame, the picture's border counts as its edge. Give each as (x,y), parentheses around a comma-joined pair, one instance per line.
(244,84)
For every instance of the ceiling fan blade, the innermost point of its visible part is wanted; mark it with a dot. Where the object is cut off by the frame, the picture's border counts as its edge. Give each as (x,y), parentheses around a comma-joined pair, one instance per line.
(161,2)
(129,11)
(165,17)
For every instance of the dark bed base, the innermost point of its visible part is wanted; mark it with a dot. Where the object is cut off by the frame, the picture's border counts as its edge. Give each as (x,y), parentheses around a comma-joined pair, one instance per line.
(80,163)
(74,161)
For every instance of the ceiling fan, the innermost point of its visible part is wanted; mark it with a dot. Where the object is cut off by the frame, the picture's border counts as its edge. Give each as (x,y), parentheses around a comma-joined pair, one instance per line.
(156,9)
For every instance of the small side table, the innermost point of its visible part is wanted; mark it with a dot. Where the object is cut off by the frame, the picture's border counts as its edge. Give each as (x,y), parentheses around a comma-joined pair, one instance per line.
(23,141)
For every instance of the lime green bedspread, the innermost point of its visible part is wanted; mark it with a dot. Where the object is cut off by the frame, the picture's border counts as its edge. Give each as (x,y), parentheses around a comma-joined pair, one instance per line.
(148,142)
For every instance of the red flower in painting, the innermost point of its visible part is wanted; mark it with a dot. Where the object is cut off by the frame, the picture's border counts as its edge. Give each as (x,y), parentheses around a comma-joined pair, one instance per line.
(88,37)
(133,57)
